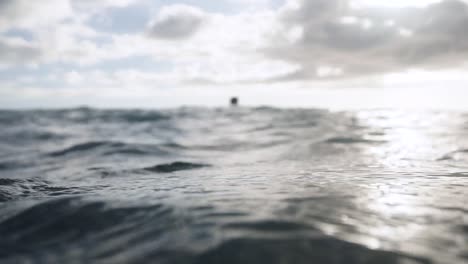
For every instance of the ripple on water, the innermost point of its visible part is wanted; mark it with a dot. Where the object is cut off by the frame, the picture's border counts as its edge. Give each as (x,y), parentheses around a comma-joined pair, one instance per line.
(15,189)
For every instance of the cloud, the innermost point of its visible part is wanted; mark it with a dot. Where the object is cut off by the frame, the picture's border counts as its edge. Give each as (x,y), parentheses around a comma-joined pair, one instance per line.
(35,14)
(57,32)
(92,4)
(251,4)
(176,22)
(16,52)
(331,34)
(32,14)
(302,40)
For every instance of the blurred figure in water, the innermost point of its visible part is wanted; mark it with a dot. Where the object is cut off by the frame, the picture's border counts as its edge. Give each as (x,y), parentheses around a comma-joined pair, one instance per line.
(234,101)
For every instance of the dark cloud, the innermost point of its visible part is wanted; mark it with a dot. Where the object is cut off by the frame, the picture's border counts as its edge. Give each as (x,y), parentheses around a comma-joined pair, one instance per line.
(176,22)
(313,10)
(355,42)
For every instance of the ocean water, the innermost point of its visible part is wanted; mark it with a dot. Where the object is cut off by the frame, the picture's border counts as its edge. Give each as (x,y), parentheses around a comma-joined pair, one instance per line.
(233,185)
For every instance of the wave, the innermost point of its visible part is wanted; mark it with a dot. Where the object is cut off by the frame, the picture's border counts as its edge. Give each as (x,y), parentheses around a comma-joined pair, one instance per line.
(76,221)
(11,165)
(270,226)
(115,148)
(109,116)
(14,117)
(453,155)
(84,147)
(306,250)
(160,168)
(266,185)
(22,137)
(175,166)
(353,140)
(161,233)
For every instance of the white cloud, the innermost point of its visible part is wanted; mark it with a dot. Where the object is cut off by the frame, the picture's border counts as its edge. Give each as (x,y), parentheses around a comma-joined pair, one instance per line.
(73,78)
(252,4)
(96,4)
(32,14)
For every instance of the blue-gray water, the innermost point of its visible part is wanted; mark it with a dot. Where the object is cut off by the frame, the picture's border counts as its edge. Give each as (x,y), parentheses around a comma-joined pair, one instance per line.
(240,185)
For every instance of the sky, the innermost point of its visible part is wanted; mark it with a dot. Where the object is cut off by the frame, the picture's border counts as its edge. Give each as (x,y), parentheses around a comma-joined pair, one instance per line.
(287,53)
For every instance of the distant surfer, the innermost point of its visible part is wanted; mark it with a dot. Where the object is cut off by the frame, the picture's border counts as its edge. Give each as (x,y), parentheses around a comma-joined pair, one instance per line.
(234,101)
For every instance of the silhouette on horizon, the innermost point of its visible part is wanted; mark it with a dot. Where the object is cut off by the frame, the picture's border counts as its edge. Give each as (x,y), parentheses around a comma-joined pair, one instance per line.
(234,101)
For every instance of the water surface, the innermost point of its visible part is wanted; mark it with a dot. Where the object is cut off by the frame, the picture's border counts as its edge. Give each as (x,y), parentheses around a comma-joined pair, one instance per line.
(241,185)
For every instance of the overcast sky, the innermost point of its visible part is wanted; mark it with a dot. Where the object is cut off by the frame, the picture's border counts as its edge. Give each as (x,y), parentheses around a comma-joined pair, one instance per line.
(303,53)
